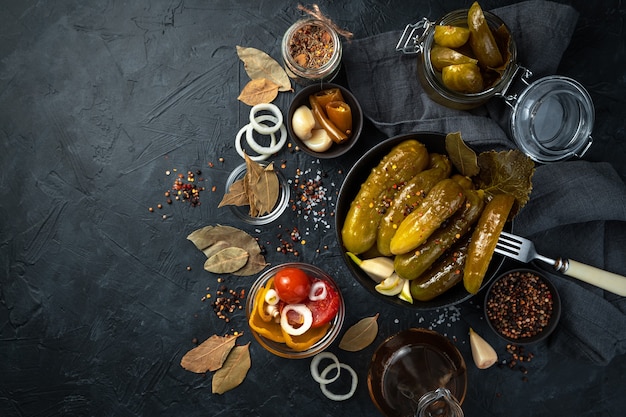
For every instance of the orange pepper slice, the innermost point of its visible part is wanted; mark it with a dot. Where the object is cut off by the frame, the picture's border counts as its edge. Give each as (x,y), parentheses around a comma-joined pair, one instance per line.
(326,96)
(268,329)
(340,114)
(306,340)
(259,301)
(260,321)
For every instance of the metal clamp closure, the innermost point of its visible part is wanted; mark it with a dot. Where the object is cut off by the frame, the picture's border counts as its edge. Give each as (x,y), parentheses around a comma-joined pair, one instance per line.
(410,41)
(525,76)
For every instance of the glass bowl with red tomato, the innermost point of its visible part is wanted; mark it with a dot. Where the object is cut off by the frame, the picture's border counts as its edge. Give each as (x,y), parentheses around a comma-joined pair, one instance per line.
(295,310)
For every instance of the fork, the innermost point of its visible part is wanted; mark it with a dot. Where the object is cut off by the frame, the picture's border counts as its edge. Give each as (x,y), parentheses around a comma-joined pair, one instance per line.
(522,249)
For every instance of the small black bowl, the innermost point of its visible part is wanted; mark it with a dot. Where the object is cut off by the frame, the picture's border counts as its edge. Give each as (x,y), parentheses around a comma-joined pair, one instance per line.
(302,98)
(533,297)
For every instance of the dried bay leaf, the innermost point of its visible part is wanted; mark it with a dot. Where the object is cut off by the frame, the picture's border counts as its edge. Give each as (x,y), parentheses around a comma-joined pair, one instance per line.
(216,247)
(208,236)
(227,260)
(210,355)
(233,371)
(265,190)
(259,64)
(259,189)
(258,91)
(237,195)
(360,335)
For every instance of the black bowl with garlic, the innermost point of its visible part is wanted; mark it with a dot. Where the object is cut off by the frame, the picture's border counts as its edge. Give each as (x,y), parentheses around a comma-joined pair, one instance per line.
(325,120)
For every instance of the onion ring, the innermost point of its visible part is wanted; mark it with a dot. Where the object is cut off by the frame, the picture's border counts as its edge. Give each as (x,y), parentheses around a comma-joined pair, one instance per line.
(271,297)
(261,156)
(317,285)
(266,149)
(264,129)
(315,363)
(339,397)
(301,309)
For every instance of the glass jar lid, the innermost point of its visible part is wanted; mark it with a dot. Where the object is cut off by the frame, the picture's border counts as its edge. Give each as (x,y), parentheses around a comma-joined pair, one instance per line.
(552,119)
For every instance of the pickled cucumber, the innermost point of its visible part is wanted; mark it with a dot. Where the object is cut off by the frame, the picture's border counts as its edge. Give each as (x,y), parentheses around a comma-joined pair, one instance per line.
(443,200)
(484,240)
(402,163)
(408,198)
(415,263)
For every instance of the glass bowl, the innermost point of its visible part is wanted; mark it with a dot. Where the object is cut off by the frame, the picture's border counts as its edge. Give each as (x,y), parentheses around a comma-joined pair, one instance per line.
(281,349)
(243,212)
(522,306)
(302,98)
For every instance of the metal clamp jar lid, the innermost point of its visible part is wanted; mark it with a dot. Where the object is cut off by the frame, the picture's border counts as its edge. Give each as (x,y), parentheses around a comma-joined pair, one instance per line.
(311,51)
(551,118)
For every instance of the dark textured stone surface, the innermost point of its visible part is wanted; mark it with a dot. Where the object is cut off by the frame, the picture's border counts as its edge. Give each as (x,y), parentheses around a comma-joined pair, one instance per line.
(97,305)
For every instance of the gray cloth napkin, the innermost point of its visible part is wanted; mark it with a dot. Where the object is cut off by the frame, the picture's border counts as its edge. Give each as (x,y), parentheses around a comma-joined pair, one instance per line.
(577,209)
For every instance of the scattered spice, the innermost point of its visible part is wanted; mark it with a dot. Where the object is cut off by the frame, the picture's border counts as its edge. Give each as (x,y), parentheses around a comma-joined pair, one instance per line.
(227,302)
(517,356)
(313,200)
(184,189)
(520,305)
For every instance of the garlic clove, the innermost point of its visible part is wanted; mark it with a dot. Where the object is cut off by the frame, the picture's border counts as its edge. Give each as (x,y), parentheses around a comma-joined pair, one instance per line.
(391,285)
(483,353)
(405,294)
(303,123)
(377,268)
(319,141)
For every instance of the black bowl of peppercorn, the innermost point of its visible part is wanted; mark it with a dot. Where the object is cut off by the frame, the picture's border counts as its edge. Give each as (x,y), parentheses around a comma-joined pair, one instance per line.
(522,306)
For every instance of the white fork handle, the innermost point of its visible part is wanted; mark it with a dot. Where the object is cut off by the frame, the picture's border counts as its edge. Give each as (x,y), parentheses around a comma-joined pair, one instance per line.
(595,276)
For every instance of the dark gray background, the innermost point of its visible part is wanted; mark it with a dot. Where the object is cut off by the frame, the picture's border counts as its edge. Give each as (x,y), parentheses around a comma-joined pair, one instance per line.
(97,101)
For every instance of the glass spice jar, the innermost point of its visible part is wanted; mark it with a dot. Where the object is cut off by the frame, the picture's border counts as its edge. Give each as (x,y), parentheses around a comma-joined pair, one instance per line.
(311,51)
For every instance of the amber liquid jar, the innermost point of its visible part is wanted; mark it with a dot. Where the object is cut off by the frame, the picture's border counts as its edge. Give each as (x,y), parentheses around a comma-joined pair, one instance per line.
(431,79)
(311,52)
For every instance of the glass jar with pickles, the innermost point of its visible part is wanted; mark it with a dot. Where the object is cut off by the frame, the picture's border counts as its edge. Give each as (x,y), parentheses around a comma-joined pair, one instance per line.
(469,56)
(462,71)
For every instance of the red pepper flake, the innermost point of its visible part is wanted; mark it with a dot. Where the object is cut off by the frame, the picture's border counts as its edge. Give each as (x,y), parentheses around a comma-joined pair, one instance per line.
(185,188)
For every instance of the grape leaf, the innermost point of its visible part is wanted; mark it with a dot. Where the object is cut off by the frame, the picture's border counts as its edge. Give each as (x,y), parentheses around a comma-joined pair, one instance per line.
(360,335)
(210,355)
(234,370)
(259,64)
(506,172)
(258,91)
